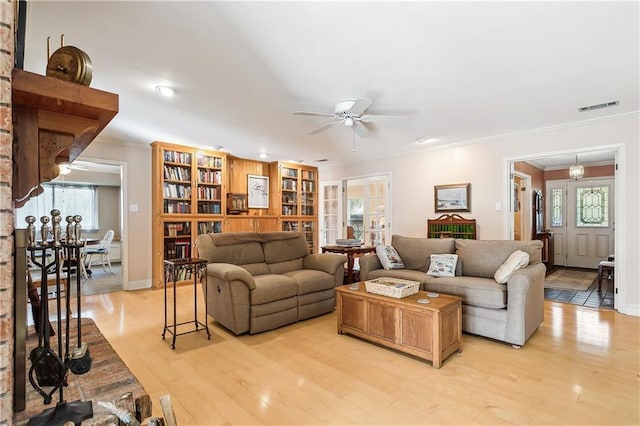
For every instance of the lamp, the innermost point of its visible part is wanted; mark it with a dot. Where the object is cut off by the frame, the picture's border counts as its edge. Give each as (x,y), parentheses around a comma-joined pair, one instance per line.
(576,171)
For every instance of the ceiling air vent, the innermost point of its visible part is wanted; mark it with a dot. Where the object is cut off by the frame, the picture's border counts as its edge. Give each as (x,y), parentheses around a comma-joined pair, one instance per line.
(598,106)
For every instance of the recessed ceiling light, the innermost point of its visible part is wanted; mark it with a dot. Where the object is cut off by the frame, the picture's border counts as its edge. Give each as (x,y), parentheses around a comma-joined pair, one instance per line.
(263,155)
(166,91)
(421,140)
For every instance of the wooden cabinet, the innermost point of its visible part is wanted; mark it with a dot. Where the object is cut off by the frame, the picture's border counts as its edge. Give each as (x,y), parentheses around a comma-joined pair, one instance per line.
(451,226)
(251,224)
(294,194)
(430,331)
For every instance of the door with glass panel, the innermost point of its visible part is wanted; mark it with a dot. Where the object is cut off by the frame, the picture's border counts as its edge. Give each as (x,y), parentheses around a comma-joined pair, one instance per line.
(580,214)
(331,226)
(367,209)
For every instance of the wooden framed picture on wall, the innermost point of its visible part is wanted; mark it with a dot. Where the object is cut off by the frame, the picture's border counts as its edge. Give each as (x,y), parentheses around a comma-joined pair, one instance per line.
(258,188)
(452,198)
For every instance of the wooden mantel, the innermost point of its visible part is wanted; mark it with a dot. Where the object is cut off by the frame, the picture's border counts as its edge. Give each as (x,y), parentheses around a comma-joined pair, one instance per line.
(54,121)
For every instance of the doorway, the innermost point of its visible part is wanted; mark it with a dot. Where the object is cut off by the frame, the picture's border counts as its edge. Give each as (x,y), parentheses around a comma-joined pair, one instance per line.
(110,177)
(580,215)
(362,203)
(588,242)
(521,206)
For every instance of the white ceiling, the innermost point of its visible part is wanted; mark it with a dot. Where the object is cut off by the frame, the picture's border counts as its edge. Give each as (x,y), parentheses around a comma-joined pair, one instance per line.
(460,71)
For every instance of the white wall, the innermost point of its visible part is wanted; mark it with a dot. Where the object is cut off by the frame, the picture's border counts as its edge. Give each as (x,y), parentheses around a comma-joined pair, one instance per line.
(483,164)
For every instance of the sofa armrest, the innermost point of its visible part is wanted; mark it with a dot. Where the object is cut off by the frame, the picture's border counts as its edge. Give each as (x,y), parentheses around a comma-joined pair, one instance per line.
(525,304)
(368,262)
(330,263)
(229,272)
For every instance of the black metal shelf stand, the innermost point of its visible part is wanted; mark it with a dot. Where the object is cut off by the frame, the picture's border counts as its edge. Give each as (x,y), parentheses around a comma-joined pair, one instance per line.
(172,269)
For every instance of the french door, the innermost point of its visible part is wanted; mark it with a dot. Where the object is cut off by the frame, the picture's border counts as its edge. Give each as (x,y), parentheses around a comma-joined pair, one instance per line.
(362,203)
(580,215)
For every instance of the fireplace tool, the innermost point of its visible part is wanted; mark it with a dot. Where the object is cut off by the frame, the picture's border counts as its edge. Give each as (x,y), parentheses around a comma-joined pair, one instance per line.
(46,365)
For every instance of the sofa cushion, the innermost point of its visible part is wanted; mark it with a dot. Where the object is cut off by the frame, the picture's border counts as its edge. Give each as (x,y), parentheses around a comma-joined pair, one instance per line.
(474,291)
(241,253)
(516,260)
(310,281)
(482,258)
(458,271)
(389,257)
(415,251)
(272,287)
(286,266)
(256,268)
(282,250)
(442,265)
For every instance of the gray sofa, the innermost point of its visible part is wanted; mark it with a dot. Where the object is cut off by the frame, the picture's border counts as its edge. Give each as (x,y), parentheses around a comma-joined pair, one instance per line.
(508,312)
(261,281)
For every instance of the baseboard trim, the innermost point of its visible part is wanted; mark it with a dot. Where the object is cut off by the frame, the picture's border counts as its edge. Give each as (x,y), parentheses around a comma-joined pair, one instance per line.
(630,310)
(138,285)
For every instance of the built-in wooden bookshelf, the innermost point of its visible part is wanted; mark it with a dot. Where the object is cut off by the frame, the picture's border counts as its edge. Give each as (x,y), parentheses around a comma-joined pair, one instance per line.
(188,199)
(199,191)
(451,226)
(294,193)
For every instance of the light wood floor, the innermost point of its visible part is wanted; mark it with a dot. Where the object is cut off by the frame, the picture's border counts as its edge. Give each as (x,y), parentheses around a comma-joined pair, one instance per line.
(580,367)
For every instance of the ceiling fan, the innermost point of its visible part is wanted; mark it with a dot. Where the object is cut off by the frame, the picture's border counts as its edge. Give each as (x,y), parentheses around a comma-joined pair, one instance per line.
(350,113)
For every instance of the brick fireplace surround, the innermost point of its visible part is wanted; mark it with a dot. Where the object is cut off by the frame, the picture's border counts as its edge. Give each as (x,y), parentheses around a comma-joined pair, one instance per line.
(7,38)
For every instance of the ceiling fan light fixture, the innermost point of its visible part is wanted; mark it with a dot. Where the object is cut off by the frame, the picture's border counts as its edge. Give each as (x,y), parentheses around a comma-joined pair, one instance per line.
(348,122)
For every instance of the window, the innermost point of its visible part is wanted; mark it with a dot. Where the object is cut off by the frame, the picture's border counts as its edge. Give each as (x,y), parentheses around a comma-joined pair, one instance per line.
(556,207)
(69,199)
(592,207)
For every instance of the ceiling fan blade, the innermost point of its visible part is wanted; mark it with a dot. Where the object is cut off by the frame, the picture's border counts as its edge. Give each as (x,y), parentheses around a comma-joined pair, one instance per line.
(360,130)
(372,118)
(324,127)
(324,114)
(360,106)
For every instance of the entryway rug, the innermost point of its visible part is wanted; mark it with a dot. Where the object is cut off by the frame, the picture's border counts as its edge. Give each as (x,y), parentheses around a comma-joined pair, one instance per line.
(570,279)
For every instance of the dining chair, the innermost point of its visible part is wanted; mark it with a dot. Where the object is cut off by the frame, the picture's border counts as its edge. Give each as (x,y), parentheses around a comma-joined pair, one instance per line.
(102,249)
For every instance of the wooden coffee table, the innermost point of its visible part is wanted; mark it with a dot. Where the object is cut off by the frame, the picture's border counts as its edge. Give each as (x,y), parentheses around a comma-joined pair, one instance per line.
(429,331)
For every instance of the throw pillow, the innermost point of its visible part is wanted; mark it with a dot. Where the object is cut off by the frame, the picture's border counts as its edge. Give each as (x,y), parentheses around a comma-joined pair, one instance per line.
(516,260)
(458,272)
(389,257)
(443,265)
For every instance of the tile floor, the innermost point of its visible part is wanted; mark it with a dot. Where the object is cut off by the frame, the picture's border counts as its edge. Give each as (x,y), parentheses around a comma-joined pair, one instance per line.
(590,297)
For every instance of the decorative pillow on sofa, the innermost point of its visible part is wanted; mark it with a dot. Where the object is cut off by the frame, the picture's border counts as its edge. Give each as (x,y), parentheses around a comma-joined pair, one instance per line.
(443,265)
(389,257)
(458,271)
(516,260)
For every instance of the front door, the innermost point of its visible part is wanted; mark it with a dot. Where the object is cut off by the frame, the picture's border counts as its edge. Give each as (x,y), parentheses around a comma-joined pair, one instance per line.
(580,214)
